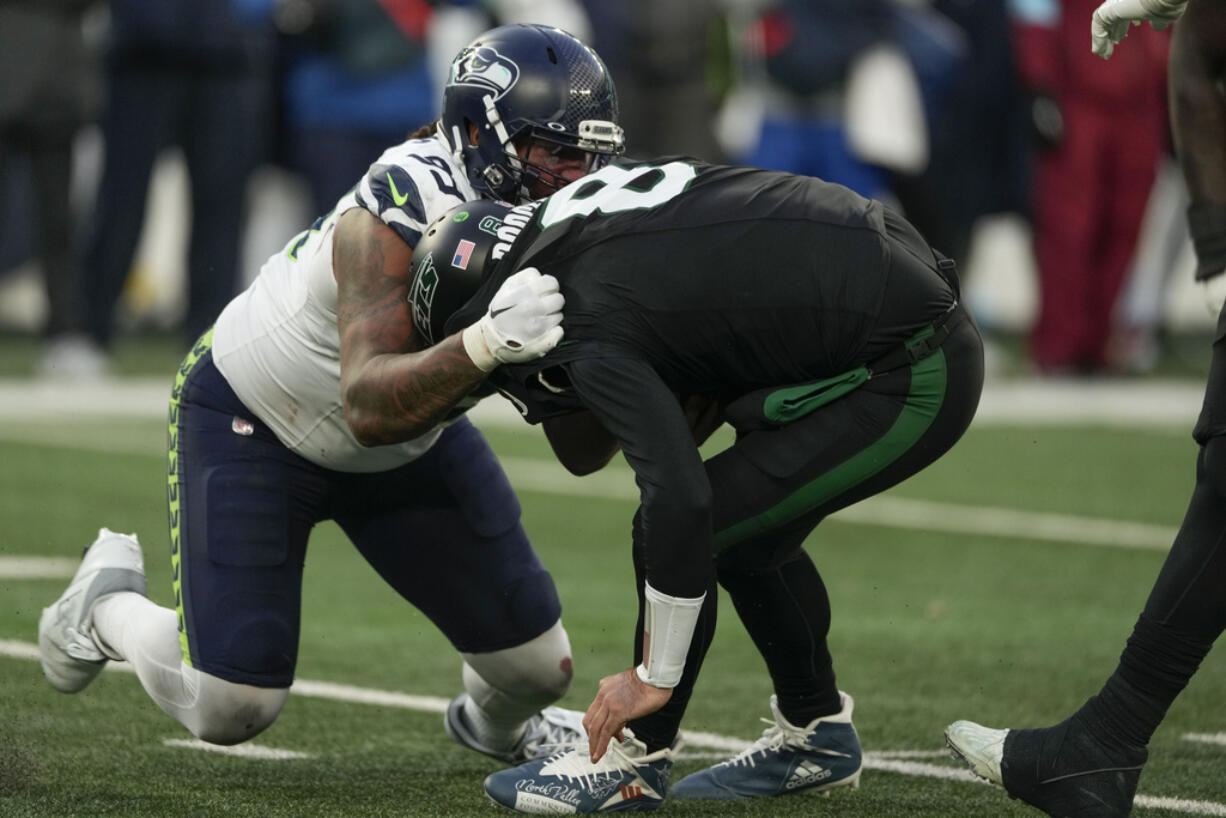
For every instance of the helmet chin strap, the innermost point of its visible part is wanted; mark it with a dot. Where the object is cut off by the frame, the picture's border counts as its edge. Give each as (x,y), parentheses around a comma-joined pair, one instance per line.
(494,175)
(457,145)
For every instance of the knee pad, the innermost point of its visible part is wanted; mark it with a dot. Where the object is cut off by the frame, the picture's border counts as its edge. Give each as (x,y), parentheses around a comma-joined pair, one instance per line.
(230,713)
(514,683)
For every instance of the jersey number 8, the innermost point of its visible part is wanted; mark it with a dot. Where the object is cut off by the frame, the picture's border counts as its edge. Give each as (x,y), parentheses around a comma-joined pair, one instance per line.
(614,189)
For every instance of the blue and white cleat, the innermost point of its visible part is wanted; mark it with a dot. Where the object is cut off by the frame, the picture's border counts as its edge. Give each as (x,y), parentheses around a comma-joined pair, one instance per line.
(548,731)
(625,779)
(816,758)
(68,647)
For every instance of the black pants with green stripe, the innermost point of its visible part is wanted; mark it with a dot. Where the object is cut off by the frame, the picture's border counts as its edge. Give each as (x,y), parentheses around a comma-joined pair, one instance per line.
(773,487)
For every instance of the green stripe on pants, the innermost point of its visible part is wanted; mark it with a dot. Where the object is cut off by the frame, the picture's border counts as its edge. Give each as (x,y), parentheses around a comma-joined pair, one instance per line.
(928,378)
(174,481)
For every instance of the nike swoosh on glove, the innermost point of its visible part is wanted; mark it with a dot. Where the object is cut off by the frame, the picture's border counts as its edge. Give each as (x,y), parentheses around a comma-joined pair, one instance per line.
(523,322)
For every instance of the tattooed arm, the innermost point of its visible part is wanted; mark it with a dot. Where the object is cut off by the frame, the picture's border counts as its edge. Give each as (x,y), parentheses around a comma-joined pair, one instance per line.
(392,389)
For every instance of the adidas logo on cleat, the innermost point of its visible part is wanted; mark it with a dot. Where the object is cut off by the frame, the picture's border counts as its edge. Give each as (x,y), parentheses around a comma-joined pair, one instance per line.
(805,774)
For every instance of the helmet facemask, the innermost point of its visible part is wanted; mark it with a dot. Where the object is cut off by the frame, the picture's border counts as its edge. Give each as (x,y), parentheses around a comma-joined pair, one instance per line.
(546,163)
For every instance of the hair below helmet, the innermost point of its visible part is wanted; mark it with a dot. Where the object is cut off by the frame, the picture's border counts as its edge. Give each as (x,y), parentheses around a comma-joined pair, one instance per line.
(522,82)
(454,257)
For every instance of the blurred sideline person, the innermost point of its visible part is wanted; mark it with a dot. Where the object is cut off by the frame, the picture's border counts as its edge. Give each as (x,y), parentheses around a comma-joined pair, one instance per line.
(1089,764)
(312,398)
(821,326)
(1098,134)
(196,76)
(52,88)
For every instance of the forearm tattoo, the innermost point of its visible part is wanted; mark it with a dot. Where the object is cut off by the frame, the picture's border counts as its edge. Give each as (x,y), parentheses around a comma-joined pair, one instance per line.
(393,390)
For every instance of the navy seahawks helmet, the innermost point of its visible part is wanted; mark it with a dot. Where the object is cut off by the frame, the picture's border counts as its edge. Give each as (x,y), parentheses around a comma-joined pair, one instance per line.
(520,83)
(454,258)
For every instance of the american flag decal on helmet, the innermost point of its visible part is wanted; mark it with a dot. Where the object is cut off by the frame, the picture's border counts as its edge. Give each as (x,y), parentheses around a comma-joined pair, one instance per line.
(463,252)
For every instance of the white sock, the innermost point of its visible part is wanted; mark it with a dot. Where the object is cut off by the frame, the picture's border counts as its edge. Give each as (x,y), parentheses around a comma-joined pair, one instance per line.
(133,628)
(147,635)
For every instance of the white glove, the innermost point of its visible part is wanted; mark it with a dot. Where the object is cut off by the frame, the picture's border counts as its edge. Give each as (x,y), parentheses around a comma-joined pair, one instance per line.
(1214,290)
(522,323)
(1110,22)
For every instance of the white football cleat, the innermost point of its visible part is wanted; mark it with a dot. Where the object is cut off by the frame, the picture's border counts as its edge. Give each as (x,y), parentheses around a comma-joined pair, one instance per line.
(980,747)
(548,731)
(71,654)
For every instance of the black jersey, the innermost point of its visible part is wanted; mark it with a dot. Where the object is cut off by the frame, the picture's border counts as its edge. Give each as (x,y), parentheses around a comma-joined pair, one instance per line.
(685,278)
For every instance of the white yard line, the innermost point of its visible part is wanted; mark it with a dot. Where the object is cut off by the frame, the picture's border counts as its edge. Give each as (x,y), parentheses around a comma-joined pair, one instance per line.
(893,512)
(247,750)
(1206,738)
(886,761)
(1101,401)
(12,567)
(617,483)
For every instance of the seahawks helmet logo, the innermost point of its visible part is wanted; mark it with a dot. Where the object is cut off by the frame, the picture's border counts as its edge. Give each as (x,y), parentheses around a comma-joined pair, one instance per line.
(486,68)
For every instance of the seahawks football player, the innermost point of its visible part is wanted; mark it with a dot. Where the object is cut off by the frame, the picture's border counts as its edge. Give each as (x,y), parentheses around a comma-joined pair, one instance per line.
(821,326)
(312,398)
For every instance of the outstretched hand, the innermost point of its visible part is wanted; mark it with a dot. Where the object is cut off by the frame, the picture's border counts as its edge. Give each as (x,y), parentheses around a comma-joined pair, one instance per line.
(622,697)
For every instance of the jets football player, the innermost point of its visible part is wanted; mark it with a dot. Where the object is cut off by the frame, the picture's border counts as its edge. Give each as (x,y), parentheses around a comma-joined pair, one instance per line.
(313,399)
(822,327)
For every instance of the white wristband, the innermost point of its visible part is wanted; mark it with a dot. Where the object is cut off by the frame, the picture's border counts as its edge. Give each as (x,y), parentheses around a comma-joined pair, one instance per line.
(476,347)
(668,629)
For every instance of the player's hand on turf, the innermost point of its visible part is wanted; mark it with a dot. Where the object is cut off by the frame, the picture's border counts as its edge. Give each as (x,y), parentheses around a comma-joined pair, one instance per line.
(622,697)
(1214,290)
(1110,21)
(522,323)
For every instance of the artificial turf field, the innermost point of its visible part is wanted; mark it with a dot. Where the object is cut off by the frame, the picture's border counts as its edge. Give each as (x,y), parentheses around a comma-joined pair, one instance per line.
(994,586)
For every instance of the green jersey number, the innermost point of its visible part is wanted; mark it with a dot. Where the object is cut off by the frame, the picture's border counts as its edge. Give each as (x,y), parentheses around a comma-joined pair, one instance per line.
(614,189)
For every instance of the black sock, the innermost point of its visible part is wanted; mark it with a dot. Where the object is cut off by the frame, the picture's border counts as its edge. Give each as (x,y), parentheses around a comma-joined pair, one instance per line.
(1154,668)
(787,613)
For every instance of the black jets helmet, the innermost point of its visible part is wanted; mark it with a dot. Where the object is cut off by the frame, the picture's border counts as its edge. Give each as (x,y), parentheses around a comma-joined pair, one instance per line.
(521,84)
(455,256)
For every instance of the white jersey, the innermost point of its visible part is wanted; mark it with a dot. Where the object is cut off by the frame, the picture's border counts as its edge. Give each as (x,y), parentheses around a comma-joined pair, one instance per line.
(277,343)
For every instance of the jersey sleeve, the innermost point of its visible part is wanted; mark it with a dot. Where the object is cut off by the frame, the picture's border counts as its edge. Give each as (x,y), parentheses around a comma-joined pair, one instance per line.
(410,193)
(637,407)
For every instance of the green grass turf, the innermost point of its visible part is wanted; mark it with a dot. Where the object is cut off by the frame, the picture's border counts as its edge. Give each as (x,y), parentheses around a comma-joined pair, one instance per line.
(928,627)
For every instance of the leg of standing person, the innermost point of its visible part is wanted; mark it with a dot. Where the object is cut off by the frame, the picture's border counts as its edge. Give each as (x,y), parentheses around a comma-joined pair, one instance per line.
(135,128)
(223,139)
(1092,761)
(1068,204)
(66,353)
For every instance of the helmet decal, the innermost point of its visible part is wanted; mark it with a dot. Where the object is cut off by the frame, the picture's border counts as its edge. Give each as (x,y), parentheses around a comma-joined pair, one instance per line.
(425,284)
(483,66)
(463,252)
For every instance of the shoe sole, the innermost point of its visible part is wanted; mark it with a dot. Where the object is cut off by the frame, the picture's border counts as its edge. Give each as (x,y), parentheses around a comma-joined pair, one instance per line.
(826,790)
(823,790)
(85,672)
